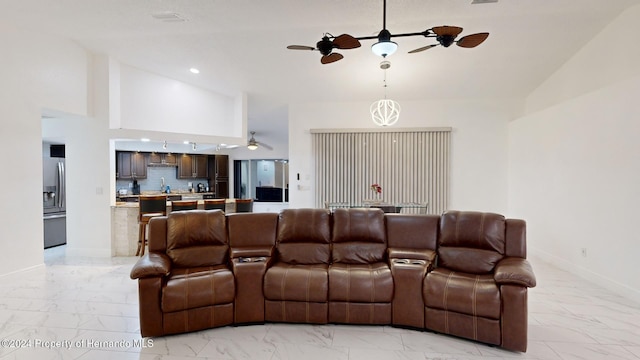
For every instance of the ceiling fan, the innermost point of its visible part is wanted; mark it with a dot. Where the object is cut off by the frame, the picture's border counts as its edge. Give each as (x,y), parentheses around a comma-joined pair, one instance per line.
(444,35)
(252,144)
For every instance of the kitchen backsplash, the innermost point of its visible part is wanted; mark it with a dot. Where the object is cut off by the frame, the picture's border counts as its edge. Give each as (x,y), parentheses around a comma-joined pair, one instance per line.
(154,181)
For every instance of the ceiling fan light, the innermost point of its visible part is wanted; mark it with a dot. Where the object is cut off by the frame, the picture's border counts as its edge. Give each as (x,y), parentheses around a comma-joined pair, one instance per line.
(384,48)
(252,146)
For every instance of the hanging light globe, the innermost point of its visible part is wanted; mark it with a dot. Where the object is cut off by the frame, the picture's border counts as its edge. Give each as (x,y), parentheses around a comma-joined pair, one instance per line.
(385,112)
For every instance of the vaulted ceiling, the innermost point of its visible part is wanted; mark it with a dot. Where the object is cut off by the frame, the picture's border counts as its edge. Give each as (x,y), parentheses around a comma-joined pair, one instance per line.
(241,45)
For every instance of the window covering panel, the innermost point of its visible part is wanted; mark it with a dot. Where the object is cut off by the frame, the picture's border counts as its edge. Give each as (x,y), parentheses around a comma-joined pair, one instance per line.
(411,166)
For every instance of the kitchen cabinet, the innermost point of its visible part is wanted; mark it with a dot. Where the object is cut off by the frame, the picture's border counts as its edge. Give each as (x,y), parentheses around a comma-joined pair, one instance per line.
(221,166)
(219,175)
(131,165)
(221,188)
(192,167)
(168,159)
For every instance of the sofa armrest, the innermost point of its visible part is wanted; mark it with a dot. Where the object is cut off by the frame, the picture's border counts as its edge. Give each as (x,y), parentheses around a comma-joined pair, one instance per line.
(415,254)
(514,271)
(151,265)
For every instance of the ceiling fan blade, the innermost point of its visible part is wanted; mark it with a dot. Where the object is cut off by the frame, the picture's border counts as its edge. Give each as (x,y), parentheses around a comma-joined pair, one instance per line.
(265,146)
(346,41)
(472,40)
(333,57)
(422,49)
(447,30)
(300,47)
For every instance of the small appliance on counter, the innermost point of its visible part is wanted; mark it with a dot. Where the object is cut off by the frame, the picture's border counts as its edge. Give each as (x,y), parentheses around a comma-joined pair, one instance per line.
(201,188)
(136,188)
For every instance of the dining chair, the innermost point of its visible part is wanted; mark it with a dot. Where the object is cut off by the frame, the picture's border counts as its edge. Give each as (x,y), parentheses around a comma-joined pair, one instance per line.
(183,205)
(150,206)
(244,205)
(215,204)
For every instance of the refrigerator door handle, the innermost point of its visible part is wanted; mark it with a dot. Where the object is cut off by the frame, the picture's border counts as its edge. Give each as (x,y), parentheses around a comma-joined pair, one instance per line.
(60,196)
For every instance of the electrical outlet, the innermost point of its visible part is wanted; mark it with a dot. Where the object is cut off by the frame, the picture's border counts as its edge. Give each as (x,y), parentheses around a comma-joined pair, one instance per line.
(583,251)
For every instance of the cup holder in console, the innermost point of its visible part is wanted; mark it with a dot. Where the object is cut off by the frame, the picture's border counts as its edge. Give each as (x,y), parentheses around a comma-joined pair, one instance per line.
(253,259)
(409,261)
(400,261)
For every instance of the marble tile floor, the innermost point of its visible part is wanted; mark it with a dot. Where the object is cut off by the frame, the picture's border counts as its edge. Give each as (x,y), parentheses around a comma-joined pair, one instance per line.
(83,308)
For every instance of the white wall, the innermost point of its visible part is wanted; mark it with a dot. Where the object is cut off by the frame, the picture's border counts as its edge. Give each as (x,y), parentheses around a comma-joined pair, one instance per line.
(88,183)
(478,150)
(30,81)
(611,56)
(574,167)
(157,103)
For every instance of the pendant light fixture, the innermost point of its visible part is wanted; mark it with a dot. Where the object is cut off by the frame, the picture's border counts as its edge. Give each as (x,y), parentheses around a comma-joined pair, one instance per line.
(385,112)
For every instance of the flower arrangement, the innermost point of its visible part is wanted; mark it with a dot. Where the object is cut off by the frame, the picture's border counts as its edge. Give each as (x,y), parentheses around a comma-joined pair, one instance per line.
(376,188)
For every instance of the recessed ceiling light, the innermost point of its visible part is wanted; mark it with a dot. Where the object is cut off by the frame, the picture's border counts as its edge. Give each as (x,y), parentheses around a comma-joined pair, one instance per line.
(194,71)
(145,139)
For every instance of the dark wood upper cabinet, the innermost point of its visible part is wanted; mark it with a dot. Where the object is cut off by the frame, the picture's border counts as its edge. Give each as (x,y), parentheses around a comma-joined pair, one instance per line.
(131,165)
(222,166)
(185,167)
(156,158)
(218,166)
(200,166)
(171,159)
(192,166)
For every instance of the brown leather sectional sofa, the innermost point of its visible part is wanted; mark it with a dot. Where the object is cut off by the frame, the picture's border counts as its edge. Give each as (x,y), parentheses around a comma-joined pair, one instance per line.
(462,273)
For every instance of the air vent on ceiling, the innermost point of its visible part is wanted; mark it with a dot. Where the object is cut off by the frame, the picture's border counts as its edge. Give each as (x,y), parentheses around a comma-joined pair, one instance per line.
(483,1)
(168,16)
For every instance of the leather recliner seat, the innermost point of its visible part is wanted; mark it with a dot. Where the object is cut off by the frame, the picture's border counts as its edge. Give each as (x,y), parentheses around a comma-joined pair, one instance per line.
(296,286)
(360,281)
(473,293)
(189,285)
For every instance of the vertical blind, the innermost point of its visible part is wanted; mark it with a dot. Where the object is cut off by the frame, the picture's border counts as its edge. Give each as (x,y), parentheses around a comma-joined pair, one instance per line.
(411,166)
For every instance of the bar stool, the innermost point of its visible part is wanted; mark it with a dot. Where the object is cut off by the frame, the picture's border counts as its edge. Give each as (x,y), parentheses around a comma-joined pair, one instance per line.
(182,205)
(215,204)
(244,205)
(150,207)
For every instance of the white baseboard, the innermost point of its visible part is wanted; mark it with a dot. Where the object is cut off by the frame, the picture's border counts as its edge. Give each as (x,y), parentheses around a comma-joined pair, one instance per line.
(23,270)
(587,274)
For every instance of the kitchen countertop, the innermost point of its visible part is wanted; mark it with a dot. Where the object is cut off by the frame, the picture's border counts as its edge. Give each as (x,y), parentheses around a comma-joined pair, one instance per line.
(172,193)
(133,204)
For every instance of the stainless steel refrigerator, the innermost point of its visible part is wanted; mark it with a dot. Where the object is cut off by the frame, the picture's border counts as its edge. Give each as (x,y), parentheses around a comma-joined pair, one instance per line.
(53,198)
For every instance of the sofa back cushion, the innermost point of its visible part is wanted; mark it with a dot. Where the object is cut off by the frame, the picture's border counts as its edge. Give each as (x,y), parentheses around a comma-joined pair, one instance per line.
(252,229)
(197,238)
(304,236)
(471,242)
(412,231)
(359,236)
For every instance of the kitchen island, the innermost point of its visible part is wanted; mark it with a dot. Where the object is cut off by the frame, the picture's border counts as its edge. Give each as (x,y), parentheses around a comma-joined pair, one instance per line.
(124,224)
